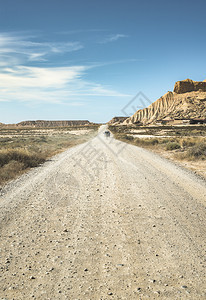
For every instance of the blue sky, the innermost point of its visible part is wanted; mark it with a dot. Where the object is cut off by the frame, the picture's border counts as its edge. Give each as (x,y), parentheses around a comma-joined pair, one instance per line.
(65,59)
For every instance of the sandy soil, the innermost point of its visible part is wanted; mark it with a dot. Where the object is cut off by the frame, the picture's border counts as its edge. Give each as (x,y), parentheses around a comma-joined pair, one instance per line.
(80,131)
(104,220)
(197,166)
(46,132)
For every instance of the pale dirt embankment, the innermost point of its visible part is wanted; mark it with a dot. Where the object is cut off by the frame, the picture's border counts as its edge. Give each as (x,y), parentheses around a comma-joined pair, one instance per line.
(104,220)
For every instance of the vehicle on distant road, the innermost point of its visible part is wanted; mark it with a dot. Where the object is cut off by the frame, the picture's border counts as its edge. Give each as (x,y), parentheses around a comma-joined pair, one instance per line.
(107,133)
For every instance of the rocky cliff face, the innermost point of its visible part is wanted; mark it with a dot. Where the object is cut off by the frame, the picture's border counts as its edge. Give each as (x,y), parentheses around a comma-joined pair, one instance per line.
(174,105)
(189,85)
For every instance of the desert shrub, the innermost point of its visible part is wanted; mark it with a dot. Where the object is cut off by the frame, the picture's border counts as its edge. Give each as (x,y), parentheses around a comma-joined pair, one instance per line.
(146,141)
(187,143)
(5,140)
(153,141)
(137,141)
(10,170)
(197,151)
(190,141)
(28,159)
(129,137)
(168,140)
(41,139)
(172,146)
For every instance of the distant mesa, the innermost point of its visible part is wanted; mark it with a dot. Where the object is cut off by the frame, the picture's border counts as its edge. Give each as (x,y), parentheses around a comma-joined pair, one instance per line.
(117,120)
(185,105)
(43,123)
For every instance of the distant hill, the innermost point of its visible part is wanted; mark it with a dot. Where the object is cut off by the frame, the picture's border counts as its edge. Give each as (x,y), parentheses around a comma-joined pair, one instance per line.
(186,104)
(117,120)
(43,123)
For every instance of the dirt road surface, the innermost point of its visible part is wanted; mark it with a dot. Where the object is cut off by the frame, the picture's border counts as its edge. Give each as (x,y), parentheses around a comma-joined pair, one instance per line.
(104,220)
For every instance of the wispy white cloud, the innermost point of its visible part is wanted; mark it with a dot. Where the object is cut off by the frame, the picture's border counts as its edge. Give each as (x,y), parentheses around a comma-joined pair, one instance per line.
(53,85)
(21,81)
(36,77)
(115,62)
(37,56)
(26,49)
(113,38)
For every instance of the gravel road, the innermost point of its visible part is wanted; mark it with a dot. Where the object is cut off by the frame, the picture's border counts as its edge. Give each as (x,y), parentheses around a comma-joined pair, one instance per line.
(104,220)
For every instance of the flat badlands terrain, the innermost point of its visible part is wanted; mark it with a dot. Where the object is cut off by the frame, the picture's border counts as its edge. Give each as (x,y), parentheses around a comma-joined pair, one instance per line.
(104,220)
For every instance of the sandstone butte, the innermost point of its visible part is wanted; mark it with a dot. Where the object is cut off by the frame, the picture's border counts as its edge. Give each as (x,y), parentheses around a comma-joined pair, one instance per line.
(186,104)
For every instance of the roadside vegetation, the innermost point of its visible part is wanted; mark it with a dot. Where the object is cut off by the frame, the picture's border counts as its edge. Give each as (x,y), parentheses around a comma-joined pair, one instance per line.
(184,142)
(21,149)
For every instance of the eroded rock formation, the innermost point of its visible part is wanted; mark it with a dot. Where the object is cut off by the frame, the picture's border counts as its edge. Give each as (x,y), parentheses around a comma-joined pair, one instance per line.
(187,105)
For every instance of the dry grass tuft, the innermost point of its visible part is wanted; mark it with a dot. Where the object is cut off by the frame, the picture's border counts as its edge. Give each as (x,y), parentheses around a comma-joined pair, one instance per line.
(29,160)
(195,152)
(13,162)
(172,146)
